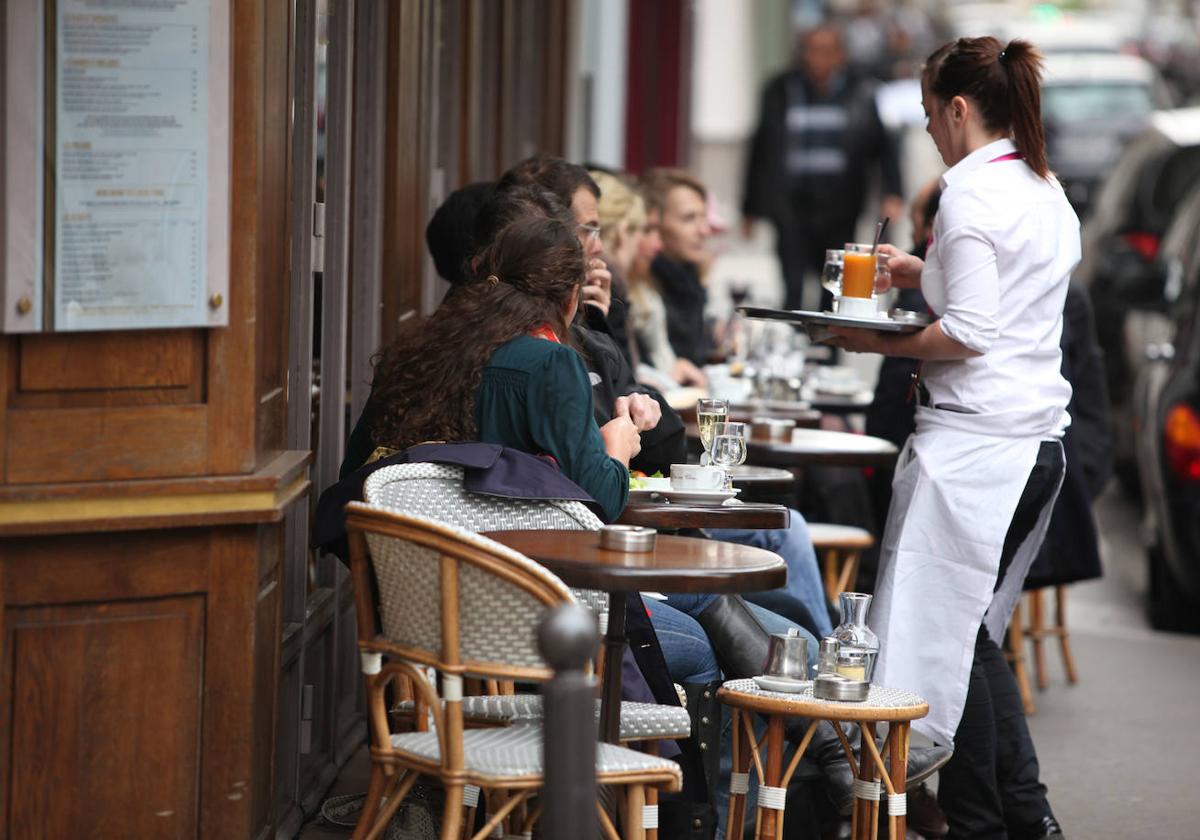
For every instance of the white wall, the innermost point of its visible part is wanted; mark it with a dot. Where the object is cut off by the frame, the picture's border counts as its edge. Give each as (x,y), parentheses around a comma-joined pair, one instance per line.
(723,97)
(596,123)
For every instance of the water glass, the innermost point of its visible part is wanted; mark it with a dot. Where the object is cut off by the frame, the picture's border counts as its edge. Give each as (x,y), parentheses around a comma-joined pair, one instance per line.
(831,274)
(729,447)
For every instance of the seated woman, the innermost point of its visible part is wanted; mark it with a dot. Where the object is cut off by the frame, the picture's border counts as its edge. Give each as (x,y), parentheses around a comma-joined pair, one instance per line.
(491,364)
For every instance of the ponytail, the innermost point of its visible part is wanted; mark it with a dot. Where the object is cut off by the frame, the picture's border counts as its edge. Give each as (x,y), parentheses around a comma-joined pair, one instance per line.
(1004,81)
(1023,66)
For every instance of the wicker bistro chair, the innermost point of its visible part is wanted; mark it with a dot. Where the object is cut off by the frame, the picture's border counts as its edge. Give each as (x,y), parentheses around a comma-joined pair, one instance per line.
(894,706)
(466,606)
(436,491)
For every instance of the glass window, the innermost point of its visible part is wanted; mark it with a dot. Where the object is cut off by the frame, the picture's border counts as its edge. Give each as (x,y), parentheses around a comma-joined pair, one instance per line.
(1083,102)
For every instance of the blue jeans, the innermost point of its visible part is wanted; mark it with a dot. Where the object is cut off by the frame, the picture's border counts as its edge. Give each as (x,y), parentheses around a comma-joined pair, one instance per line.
(804,585)
(690,658)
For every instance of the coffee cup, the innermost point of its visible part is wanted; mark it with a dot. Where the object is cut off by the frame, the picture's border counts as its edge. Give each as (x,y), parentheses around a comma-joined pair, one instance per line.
(787,656)
(696,477)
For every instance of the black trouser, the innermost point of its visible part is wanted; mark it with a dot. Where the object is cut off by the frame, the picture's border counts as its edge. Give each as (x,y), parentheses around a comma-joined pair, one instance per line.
(990,789)
(800,243)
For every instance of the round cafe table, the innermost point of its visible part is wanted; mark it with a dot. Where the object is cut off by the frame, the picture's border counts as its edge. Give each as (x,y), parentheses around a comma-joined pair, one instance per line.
(818,446)
(677,564)
(805,414)
(673,515)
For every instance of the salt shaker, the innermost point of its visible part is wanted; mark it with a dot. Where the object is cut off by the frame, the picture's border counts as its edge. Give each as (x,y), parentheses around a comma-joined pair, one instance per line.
(827,657)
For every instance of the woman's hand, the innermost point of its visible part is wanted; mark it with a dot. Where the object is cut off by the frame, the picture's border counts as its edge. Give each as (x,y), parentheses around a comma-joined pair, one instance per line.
(903,268)
(642,409)
(622,440)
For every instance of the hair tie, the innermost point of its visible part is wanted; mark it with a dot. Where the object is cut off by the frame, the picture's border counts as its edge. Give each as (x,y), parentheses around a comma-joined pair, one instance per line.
(1003,57)
(493,280)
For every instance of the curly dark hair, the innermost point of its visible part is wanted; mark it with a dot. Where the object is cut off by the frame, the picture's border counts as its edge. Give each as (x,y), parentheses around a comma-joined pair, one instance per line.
(426,380)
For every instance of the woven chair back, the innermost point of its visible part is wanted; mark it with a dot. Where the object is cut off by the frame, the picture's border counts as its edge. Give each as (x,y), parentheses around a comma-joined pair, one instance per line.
(436,491)
(453,599)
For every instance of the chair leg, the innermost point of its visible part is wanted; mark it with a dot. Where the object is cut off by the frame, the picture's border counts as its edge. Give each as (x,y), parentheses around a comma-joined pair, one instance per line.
(741,765)
(635,804)
(452,812)
(650,821)
(849,573)
(370,809)
(829,570)
(1064,640)
(1017,652)
(1037,633)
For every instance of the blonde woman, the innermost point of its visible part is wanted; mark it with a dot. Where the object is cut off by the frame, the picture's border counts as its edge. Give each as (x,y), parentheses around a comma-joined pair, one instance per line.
(631,241)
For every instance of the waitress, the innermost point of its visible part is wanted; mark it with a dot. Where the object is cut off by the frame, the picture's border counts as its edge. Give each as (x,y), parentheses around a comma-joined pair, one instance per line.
(976,481)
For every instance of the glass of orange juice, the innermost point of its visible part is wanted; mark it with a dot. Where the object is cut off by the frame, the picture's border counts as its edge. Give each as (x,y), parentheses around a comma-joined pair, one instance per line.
(858,271)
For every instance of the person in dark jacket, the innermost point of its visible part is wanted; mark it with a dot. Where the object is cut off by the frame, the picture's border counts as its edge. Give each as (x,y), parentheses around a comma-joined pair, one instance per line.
(809,166)
(680,201)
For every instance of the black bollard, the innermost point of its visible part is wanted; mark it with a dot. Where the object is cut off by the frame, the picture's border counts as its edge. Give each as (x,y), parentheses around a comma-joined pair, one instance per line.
(567,640)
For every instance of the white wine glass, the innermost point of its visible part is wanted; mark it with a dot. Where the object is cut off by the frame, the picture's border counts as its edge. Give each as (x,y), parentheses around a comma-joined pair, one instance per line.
(709,412)
(729,447)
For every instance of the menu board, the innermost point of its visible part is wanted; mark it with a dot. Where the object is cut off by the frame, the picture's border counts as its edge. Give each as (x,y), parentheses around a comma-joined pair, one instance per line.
(140,159)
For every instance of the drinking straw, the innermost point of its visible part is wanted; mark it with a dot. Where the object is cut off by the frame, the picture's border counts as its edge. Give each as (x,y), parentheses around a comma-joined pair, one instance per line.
(880,227)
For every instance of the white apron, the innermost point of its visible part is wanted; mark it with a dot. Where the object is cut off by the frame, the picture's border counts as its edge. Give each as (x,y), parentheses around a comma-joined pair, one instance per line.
(956,488)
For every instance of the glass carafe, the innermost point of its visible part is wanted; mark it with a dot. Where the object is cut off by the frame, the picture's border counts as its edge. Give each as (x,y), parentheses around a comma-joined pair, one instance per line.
(858,646)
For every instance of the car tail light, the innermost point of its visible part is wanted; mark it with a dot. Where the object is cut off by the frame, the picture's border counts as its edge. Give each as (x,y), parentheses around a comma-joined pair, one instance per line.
(1181,436)
(1146,244)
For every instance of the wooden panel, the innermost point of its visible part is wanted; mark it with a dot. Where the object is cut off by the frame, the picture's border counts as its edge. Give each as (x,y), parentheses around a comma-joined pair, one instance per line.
(406,171)
(272,314)
(72,569)
(94,361)
(82,676)
(98,444)
(232,362)
(228,786)
(266,686)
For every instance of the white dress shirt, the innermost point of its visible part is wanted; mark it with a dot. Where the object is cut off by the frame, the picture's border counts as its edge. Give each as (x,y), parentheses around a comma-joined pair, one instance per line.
(996,272)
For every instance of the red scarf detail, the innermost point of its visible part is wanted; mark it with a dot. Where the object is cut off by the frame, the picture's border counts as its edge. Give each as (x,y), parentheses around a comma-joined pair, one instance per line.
(544,331)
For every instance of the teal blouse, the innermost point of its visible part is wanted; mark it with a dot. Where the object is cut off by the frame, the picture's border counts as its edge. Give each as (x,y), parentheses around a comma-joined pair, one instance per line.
(536,396)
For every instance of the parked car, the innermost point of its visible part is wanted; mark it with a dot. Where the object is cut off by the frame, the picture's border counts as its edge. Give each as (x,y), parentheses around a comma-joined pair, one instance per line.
(1167,423)
(1093,104)
(1121,265)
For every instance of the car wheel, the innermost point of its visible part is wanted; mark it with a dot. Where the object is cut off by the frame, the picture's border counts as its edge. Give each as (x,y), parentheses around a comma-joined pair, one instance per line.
(1169,609)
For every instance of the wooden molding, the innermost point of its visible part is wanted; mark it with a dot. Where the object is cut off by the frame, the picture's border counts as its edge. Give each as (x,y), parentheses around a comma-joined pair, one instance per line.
(262,496)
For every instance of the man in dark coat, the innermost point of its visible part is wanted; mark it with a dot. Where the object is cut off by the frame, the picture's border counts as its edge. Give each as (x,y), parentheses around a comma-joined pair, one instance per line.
(808,170)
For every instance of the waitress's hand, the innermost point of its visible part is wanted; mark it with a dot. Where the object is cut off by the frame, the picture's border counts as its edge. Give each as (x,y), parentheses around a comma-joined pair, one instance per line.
(903,268)
(856,340)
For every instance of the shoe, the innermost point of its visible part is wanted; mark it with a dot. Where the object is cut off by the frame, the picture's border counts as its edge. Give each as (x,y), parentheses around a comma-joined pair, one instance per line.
(1050,830)
(925,816)
(740,642)
(826,750)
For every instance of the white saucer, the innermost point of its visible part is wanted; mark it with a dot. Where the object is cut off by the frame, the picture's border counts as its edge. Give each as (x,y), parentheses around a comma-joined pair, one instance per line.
(643,494)
(784,684)
(698,497)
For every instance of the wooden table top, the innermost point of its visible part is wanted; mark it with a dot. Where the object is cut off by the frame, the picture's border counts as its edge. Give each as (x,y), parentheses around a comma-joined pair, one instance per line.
(751,475)
(817,446)
(660,514)
(802,412)
(854,403)
(677,564)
